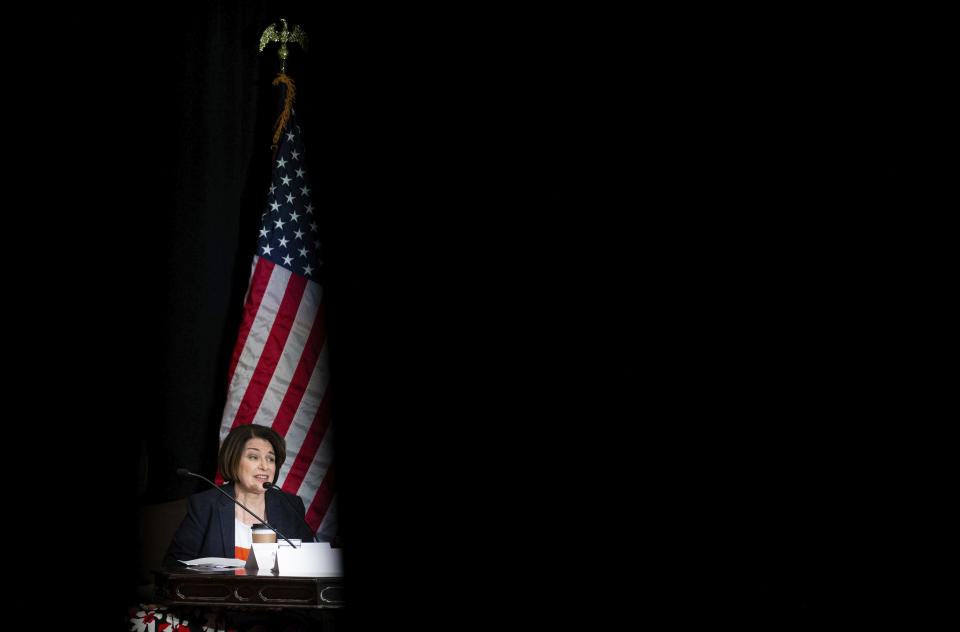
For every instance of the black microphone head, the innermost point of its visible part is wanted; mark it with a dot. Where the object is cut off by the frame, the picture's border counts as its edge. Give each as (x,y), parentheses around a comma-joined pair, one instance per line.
(182,471)
(267,484)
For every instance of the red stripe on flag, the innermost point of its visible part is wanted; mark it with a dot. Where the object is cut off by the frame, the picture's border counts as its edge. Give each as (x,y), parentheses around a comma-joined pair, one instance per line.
(258,285)
(308,450)
(301,376)
(321,502)
(272,351)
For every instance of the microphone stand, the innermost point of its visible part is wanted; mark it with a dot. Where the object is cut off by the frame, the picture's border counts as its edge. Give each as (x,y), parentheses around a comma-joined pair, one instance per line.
(290,505)
(184,472)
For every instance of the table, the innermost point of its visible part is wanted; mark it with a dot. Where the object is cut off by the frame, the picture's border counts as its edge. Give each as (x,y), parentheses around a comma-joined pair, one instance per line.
(239,599)
(248,589)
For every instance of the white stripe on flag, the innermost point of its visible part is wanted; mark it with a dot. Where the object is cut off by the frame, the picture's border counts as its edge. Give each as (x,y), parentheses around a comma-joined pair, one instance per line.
(253,347)
(318,467)
(290,358)
(303,418)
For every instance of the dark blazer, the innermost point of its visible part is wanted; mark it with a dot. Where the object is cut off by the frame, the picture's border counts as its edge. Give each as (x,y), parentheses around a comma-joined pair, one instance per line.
(208,528)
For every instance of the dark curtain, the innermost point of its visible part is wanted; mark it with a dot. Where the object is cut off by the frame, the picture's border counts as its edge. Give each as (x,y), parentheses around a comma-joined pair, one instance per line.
(145,143)
(557,313)
(146,150)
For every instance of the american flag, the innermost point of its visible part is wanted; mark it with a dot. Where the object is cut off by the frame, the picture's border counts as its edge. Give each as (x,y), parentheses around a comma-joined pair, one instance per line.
(279,373)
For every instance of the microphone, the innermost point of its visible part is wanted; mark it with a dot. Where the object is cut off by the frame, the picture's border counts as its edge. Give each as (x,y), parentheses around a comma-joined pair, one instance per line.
(269,485)
(184,472)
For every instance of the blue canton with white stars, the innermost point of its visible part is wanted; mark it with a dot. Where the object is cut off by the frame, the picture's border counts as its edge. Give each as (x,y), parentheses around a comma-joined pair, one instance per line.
(288,236)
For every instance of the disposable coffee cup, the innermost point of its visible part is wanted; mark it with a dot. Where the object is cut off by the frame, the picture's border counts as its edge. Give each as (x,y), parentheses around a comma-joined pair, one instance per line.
(262,533)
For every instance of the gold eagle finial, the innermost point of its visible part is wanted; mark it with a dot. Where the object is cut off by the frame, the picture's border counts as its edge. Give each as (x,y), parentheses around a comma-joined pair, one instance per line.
(286,35)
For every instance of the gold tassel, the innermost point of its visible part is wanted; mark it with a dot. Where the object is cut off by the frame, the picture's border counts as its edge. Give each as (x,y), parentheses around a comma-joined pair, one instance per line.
(284,118)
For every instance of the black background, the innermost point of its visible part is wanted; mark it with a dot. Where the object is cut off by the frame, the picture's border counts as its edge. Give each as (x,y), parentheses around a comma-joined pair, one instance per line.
(599,292)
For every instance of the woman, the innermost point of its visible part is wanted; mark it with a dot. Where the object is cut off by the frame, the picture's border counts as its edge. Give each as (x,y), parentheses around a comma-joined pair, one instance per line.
(216,527)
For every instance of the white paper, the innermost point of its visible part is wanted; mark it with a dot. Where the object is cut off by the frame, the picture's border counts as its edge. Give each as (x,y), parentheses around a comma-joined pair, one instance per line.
(215,562)
(311,559)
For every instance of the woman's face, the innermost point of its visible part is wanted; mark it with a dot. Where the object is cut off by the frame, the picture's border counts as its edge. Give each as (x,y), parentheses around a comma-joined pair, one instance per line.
(257,465)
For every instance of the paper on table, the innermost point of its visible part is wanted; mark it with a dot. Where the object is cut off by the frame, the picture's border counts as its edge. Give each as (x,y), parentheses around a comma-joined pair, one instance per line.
(311,559)
(215,562)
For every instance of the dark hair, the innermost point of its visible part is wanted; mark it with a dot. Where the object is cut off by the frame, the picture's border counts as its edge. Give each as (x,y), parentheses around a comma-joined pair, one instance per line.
(231,450)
